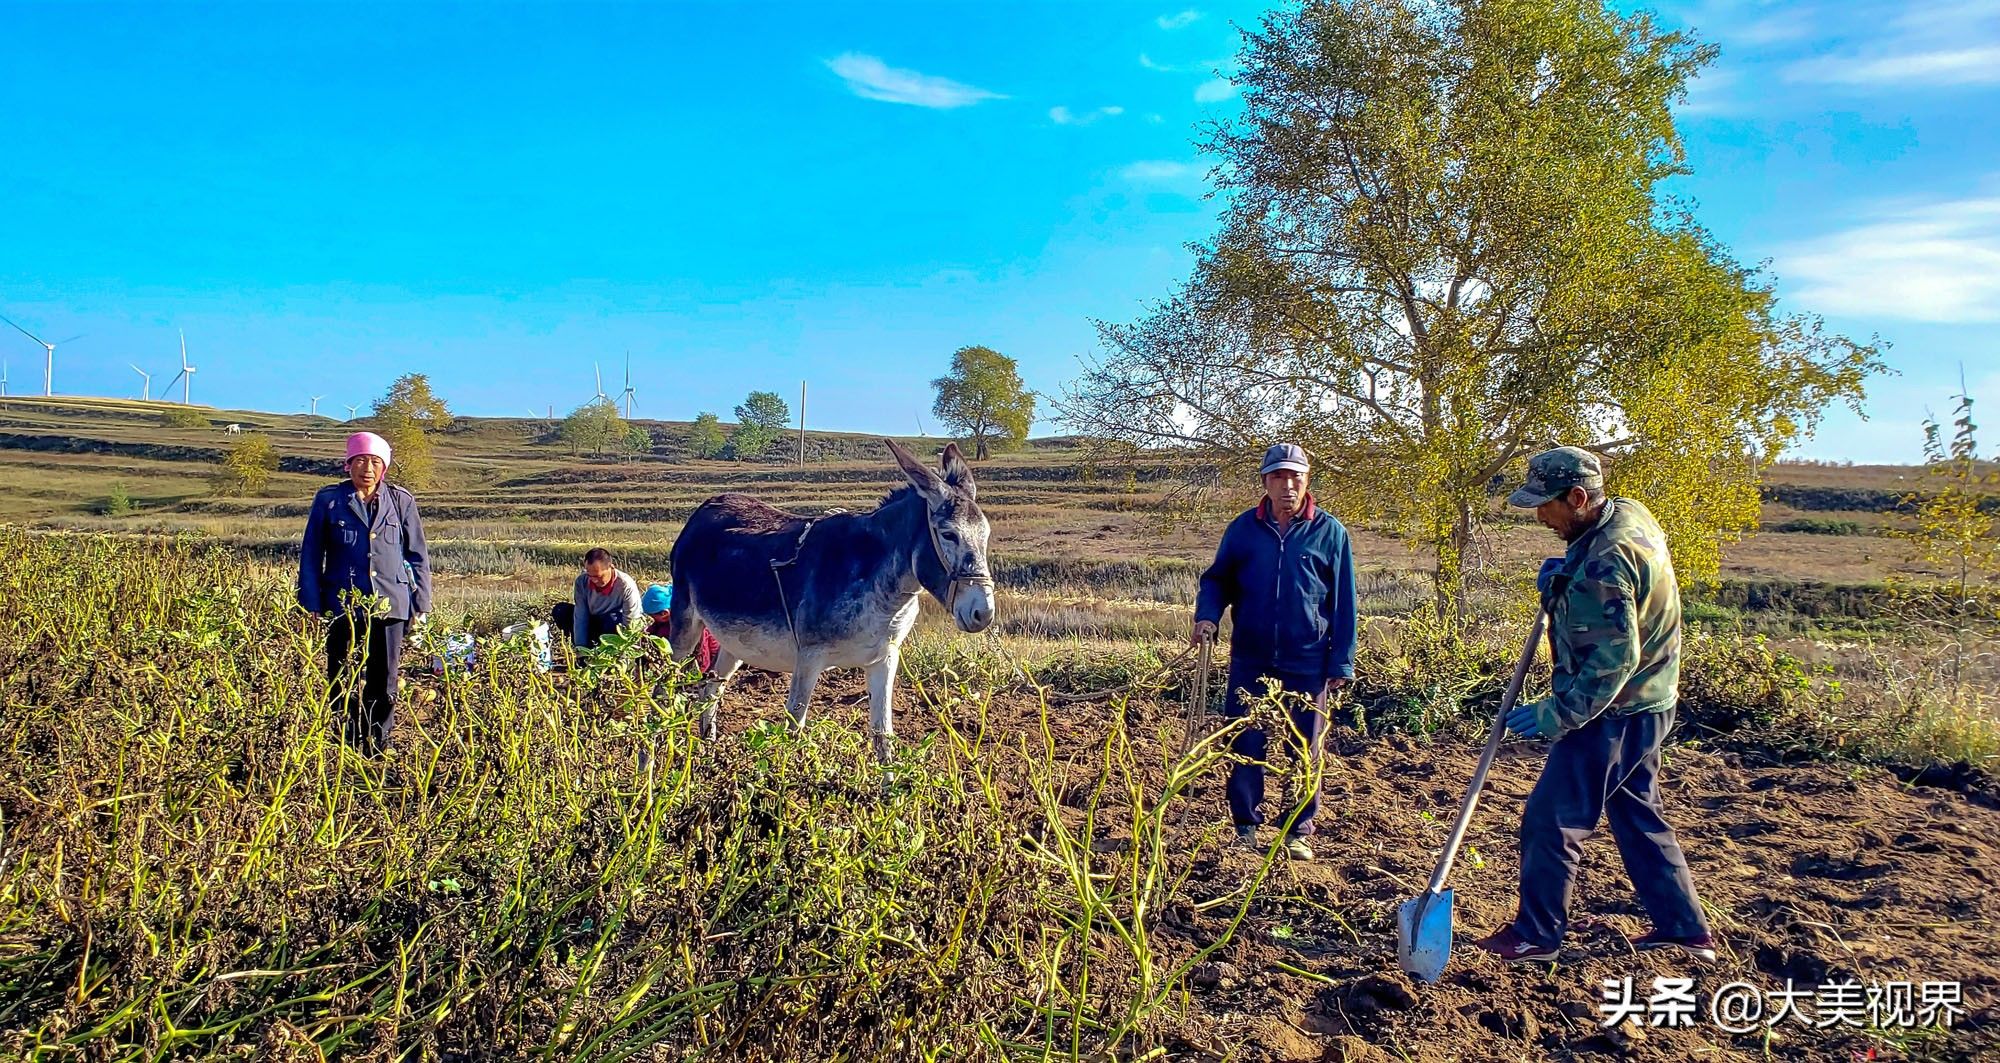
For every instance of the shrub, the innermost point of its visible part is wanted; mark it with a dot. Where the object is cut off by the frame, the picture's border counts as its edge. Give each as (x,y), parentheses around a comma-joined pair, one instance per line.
(184,417)
(120,502)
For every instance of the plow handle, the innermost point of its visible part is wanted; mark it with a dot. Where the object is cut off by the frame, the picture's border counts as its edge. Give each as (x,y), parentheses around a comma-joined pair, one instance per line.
(1507,701)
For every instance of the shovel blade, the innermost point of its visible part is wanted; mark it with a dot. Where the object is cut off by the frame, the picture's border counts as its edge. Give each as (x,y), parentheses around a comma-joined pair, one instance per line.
(1423,935)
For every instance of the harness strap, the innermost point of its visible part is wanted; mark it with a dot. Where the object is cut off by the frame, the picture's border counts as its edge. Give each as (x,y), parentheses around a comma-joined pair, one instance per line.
(798,648)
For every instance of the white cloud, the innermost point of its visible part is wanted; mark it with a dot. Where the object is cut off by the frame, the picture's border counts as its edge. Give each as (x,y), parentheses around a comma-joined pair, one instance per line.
(871,78)
(1943,66)
(1936,262)
(1944,42)
(1065,116)
(1214,91)
(1158,170)
(1174,22)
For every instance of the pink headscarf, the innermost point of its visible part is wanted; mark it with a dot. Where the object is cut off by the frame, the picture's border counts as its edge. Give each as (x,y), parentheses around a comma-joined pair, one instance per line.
(361,443)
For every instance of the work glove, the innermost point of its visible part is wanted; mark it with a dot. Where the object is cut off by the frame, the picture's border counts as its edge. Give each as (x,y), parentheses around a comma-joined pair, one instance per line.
(1546,577)
(1526,721)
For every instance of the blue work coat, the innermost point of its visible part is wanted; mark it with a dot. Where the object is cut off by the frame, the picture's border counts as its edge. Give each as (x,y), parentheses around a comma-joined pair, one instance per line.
(343,550)
(1292,594)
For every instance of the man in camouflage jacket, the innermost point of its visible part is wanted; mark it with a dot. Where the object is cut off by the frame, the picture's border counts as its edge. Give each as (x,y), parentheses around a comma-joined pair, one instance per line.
(1614,613)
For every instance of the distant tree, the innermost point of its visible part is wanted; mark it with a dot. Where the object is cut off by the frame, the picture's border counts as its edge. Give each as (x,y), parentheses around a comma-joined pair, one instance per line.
(1446,246)
(704,437)
(410,398)
(638,439)
(760,419)
(248,465)
(594,426)
(983,398)
(184,417)
(407,416)
(1955,536)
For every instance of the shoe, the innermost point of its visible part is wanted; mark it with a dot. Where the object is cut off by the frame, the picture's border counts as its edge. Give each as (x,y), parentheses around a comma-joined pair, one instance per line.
(1297,849)
(1513,948)
(1246,838)
(1700,946)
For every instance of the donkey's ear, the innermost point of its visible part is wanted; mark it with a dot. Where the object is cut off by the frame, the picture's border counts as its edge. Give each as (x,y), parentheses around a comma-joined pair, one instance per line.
(921,477)
(956,472)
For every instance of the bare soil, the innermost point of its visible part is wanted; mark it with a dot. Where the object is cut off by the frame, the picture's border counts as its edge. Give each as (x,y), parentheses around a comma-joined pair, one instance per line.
(1814,873)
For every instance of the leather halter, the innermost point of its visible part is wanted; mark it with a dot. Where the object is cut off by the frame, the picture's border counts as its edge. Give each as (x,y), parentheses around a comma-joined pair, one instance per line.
(973,573)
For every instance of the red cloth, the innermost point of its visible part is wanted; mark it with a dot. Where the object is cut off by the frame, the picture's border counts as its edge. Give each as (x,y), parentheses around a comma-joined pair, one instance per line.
(704,654)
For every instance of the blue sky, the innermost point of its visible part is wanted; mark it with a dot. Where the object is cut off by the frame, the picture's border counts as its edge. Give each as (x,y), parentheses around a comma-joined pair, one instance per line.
(745,196)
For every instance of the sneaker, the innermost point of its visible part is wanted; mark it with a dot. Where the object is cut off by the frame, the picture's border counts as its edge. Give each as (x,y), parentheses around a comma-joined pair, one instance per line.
(1297,849)
(1513,948)
(1246,838)
(1700,946)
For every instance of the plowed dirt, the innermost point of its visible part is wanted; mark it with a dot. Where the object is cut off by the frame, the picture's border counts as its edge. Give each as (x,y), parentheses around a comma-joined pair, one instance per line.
(1812,873)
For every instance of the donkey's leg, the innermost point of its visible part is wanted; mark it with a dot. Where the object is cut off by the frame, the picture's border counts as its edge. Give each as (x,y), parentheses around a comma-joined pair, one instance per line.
(881,704)
(726,664)
(805,679)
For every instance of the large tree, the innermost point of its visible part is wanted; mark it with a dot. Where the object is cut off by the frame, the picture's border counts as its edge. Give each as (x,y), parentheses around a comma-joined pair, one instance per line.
(408,415)
(760,419)
(594,426)
(982,398)
(1447,247)
(704,436)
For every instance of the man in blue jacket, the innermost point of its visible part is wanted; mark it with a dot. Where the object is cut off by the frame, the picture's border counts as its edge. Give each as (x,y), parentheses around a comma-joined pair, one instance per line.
(364,567)
(1286,568)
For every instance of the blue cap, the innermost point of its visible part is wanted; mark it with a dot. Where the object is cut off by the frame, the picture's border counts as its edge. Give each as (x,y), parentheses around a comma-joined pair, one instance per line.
(657,599)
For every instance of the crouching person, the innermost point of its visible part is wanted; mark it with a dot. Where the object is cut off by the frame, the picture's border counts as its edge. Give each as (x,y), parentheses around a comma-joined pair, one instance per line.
(364,567)
(658,601)
(604,600)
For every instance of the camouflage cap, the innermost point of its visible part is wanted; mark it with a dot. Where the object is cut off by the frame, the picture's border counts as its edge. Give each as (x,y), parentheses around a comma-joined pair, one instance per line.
(1553,472)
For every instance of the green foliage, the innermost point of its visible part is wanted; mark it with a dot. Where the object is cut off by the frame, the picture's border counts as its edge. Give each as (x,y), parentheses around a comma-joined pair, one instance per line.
(410,398)
(704,436)
(248,466)
(120,502)
(184,417)
(760,419)
(413,458)
(638,439)
(982,397)
(1955,537)
(1446,249)
(407,416)
(594,426)
(637,894)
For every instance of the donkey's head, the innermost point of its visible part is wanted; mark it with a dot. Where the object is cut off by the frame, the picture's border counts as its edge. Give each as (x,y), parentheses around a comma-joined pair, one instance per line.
(957,533)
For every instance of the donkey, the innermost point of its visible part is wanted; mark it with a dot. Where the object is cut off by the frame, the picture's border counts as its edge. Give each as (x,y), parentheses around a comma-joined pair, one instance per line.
(787,593)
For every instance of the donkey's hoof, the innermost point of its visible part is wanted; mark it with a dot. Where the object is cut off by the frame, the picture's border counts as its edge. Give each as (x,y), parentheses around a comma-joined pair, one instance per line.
(707,727)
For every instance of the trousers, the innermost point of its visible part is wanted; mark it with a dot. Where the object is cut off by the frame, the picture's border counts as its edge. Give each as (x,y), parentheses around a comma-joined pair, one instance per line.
(364,654)
(1607,769)
(1246,778)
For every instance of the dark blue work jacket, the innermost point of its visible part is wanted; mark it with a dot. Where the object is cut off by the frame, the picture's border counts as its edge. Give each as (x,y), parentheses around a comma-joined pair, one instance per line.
(1293,594)
(345,549)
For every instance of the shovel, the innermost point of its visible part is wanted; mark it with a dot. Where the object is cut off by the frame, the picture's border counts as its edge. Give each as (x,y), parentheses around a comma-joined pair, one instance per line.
(1423,923)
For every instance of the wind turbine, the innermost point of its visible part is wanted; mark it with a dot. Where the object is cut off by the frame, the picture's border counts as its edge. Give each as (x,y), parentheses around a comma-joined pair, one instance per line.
(186,373)
(147,394)
(3,380)
(628,392)
(351,410)
(315,404)
(48,372)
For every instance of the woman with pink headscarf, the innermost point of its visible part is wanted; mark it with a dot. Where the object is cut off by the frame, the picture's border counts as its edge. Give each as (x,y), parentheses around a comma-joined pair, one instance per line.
(364,567)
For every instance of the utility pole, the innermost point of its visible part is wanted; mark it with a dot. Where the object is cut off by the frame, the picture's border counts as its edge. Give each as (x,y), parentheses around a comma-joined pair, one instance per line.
(802,422)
